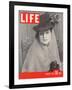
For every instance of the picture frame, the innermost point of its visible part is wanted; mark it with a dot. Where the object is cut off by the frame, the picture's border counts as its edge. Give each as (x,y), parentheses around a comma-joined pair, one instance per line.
(17,79)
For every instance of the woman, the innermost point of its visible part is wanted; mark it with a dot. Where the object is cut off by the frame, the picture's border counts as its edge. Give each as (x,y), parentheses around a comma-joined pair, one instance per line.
(44,51)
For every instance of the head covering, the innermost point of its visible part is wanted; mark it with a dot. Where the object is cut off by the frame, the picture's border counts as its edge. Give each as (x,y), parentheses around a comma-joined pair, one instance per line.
(47,22)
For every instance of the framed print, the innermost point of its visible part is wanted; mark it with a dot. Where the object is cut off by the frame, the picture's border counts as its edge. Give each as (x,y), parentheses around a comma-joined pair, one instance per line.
(39,44)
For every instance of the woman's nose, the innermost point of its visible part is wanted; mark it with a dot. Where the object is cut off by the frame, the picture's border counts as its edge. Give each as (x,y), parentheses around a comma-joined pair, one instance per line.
(44,35)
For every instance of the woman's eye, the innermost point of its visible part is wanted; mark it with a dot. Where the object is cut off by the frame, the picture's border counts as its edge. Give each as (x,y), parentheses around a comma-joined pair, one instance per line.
(41,33)
(47,32)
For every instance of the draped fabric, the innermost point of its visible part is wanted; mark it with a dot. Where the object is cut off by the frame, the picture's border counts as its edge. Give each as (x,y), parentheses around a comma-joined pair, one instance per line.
(39,57)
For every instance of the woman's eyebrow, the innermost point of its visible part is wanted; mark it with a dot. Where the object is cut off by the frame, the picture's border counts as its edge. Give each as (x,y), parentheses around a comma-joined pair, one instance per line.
(41,32)
(47,31)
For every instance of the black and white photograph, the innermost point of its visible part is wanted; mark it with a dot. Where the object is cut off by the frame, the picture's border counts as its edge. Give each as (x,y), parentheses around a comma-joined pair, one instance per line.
(41,45)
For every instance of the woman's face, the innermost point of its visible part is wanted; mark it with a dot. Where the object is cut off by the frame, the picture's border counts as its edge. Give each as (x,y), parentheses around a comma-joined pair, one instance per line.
(45,37)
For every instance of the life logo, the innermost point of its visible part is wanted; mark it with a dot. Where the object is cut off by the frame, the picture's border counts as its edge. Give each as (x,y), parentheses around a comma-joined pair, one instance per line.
(29,18)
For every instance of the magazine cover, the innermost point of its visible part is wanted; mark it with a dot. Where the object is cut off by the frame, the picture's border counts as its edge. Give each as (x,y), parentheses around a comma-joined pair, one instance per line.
(40,44)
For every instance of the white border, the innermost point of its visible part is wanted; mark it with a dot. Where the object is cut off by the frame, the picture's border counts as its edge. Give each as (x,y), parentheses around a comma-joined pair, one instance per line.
(16,58)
